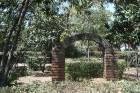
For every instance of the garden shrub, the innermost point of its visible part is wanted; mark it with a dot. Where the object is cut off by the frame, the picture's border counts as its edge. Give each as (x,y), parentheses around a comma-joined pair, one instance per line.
(121,67)
(5,90)
(121,55)
(97,54)
(81,70)
(33,64)
(73,52)
(11,78)
(15,73)
(132,57)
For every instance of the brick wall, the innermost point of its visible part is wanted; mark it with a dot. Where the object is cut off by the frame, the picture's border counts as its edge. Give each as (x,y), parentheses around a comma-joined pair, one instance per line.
(58,63)
(110,66)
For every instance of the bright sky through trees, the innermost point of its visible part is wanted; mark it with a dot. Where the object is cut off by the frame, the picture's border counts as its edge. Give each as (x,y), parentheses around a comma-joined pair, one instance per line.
(110,7)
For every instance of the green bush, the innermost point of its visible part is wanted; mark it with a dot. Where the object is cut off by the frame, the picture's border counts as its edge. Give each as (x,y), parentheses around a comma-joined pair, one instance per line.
(14,74)
(33,64)
(73,52)
(121,67)
(97,54)
(11,78)
(80,70)
(121,55)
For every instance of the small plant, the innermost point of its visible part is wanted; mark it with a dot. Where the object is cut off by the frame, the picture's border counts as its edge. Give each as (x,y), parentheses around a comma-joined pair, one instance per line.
(33,64)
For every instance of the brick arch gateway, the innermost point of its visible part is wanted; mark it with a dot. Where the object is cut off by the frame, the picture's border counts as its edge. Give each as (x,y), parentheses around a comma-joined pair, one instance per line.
(58,56)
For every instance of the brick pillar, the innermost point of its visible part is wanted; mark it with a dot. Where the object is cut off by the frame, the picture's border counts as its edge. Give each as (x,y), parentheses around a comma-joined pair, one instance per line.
(58,63)
(110,66)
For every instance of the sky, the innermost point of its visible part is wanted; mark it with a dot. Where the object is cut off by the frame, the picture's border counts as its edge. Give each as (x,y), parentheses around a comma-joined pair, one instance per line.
(108,6)
(61,7)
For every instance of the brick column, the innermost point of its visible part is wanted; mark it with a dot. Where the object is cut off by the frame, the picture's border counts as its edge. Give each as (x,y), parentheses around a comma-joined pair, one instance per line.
(110,66)
(58,63)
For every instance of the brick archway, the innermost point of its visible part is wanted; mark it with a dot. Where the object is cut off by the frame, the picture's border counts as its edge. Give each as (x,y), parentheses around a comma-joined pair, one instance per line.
(58,56)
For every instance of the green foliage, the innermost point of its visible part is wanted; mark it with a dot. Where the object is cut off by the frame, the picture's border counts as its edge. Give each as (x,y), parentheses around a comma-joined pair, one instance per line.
(38,1)
(33,64)
(11,78)
(121,55)
(125,28)
(90,21)
(82,70)
(122,86)
(72,52)
(6,90)
(15,73)
(121,68)
(1,38)
(133,58)
(97,54)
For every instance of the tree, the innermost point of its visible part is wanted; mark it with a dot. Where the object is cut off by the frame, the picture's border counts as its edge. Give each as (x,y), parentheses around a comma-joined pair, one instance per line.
(44,29)
(125,28)
(6,62)
(89,18)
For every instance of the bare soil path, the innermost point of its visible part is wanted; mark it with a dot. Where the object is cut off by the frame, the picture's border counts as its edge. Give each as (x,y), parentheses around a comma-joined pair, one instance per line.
(36,76)
(131,73)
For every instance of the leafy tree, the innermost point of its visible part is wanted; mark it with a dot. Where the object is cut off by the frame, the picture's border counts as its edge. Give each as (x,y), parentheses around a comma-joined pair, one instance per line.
(125,28)
(89,18)
(43,30)
(13,36)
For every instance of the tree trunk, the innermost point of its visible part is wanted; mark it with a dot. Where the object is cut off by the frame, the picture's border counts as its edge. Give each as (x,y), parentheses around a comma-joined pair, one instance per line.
(2,79)
(129,46)
(88,51)
(10,36)
(6,64)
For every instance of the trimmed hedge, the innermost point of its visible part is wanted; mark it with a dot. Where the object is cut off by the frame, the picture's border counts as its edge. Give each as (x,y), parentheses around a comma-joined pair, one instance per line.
(80,70)
(121,68)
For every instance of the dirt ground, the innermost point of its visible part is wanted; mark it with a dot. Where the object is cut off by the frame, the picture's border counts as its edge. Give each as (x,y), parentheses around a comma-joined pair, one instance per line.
(30,79)
(36,76)
(131,73)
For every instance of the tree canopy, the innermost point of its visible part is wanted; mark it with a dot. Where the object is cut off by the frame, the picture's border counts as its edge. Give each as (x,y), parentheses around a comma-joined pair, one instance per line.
(125,28)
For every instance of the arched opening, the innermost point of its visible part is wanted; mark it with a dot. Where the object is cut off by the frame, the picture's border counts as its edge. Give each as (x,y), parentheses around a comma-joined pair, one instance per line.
(58,56)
